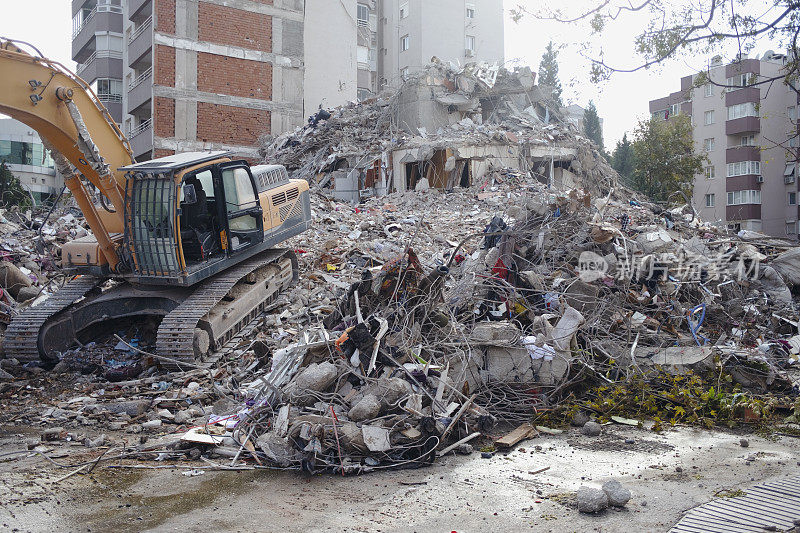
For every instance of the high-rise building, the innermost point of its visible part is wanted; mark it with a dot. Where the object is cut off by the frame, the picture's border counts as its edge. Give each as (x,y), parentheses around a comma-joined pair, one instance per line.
(183,75)
(749,132)
(23,153)
(412,32)
(97,47)
(210,74)
(340,52)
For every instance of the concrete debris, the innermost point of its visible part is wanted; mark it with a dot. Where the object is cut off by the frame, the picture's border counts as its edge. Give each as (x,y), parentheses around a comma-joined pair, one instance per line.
(618,495)
(592,500)
(591,429)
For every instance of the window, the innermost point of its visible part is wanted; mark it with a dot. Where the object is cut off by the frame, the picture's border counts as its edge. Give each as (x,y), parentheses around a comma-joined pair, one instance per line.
(710,200)
(25,153)
(744,168)
(405,43)
(708,90)
(747,109)
(470,43)
(790,228)
(403,10)
(748,140)
(739,81)
(661,115)
(793,142)
(792,198)
(791,113)
(239,195)
(710,173)
(708,144)
(744,197)
(108,89)
(363,15)
(404,73)
(470,11)
(673,110)
(364,94)
(708,117)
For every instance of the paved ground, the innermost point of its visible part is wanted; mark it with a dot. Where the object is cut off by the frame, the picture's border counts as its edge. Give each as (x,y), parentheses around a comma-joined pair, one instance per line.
(464,494)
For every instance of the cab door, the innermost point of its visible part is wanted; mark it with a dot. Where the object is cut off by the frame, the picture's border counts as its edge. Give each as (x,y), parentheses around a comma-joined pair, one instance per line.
(242,210)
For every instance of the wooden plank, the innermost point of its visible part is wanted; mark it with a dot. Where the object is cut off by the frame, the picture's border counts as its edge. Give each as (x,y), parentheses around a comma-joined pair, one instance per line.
(525,431)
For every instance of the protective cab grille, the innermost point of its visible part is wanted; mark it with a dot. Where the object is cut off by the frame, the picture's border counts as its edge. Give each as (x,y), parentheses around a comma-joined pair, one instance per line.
(150,225)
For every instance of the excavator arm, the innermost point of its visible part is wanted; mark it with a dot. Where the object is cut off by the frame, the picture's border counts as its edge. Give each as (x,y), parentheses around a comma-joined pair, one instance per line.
(73,123)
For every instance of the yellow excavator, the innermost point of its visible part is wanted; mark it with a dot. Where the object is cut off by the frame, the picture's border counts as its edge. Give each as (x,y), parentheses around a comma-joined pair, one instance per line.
(188,238)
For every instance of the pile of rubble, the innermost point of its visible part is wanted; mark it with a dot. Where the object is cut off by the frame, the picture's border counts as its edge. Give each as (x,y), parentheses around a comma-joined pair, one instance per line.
(464,316)
(487,269)
(30,249)
(445,127)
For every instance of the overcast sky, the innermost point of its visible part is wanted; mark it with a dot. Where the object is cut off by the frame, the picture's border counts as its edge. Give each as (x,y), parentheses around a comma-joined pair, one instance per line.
(620,101)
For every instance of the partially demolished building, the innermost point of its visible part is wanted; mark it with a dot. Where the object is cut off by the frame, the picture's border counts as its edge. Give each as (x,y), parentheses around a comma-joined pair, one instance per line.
(447,127)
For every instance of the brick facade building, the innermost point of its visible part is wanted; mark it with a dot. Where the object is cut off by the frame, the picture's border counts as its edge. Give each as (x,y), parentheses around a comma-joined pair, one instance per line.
(199,74)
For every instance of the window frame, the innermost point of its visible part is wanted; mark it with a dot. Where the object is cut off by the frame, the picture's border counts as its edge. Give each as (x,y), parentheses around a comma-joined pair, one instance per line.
(712,197)
(469,43)
(405,43)
(362,21)
(706,115)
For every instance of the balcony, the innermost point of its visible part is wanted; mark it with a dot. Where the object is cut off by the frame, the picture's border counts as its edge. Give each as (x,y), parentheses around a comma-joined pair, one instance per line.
(735,154)
(102,18)
(743,125)
(140,91)
(141,138)
(136,7)
(743,212)
(140,42)
(101,64)
(748,182)
(742,96)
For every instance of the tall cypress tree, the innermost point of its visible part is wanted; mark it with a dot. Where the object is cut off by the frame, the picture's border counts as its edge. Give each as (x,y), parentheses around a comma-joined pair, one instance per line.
(548,72)
(622,160)
(591,125)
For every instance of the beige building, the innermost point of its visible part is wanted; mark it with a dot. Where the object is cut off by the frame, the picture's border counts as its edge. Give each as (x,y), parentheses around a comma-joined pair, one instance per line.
(749,134)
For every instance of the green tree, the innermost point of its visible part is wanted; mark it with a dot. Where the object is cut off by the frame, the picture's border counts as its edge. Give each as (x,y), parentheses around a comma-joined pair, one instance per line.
(548,72)
(591,126)
(675,28)
(665,161)
(622,159)
(11,191)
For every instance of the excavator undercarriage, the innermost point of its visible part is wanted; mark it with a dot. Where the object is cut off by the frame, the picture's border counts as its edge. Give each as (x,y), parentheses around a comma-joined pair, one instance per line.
(195,321)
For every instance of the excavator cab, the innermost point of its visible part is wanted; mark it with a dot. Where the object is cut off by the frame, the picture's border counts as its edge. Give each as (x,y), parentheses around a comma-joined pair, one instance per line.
(192,215)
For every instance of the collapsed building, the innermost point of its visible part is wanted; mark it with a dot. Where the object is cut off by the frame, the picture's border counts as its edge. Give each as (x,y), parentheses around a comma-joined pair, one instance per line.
(446,127)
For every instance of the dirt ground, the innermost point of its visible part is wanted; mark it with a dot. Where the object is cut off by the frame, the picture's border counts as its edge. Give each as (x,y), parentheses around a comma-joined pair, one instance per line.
(668,474)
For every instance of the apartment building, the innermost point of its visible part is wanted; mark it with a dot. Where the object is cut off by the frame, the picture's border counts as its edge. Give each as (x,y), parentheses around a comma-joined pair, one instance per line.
(184,75)
(412,32)
(23,153)
(340,53)
(97,47)
(750,135)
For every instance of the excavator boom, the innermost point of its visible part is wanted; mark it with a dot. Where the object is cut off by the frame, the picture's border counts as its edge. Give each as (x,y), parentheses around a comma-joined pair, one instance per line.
(75,125)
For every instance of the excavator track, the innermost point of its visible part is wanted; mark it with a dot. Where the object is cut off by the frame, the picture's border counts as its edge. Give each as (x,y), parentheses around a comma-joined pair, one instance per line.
(21,339)
(175,338)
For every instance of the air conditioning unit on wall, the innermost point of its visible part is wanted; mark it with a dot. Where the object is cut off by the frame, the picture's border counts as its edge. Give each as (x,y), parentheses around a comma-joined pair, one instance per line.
(760,179)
